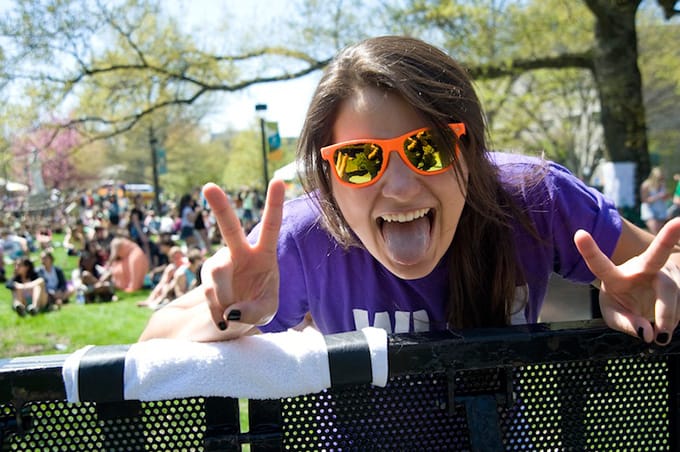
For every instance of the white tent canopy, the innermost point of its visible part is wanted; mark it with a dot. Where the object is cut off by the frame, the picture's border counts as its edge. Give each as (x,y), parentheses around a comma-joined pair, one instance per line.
(289,172)
(14,187)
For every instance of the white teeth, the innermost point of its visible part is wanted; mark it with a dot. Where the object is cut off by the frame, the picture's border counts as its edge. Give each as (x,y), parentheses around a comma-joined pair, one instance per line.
(405,217)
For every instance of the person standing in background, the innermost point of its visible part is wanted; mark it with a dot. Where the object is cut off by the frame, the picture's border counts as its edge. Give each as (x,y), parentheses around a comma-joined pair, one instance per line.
(674,209)
(653,197)
(136,225)
(187,220)
(200,228)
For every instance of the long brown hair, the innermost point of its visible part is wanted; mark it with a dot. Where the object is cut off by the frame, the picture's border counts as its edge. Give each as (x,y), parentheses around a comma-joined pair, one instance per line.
(481,257)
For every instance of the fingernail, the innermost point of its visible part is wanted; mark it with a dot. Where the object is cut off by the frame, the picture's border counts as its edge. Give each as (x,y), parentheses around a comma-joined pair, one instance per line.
(641,333)
(662,338)
(234,315)
(222,325)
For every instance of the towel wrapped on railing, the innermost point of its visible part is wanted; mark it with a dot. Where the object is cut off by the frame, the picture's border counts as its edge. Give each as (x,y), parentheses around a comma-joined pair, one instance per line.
(266,366)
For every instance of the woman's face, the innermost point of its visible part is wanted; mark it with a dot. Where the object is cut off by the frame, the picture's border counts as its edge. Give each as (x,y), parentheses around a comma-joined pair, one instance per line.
(405,220)
(21,269)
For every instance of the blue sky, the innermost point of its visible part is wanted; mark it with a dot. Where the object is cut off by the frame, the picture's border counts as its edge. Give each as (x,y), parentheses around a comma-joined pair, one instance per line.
(286,101)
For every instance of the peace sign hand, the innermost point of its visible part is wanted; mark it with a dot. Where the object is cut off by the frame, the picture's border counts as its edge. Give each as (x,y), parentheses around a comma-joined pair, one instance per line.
(642,290)
(241,281)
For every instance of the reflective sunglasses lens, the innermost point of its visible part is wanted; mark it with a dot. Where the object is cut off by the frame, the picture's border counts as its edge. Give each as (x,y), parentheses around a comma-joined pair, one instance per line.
(358,163)
(423,153)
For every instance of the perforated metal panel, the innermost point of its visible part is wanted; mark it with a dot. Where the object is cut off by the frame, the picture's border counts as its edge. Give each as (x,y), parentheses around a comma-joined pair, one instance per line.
(618,404)
(408,411)
(163,426)
(615,405)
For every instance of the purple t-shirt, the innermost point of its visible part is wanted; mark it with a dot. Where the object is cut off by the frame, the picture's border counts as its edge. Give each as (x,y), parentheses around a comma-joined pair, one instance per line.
(347,290)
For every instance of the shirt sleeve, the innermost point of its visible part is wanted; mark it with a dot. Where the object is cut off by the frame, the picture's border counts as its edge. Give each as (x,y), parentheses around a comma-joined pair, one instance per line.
(577,206)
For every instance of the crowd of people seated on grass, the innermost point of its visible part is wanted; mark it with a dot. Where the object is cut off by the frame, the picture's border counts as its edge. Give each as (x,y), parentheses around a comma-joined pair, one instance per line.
(111,245)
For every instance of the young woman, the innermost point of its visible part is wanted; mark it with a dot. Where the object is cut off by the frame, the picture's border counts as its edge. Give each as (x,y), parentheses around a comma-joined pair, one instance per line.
(28,288)
(56,285)
(411,224)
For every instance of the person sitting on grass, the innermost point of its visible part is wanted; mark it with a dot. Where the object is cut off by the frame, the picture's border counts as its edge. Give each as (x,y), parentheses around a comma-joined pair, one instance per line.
(28,288)
(160,259)
(75,238)
(128,264)
(185,278)
(164,285)
(55,281)
(92,279)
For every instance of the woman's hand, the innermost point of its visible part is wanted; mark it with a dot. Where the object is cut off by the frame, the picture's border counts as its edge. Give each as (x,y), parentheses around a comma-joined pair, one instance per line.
(641,296)
(241,281)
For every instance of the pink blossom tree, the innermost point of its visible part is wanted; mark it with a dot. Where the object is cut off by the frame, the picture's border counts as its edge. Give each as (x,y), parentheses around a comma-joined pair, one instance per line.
(53,149)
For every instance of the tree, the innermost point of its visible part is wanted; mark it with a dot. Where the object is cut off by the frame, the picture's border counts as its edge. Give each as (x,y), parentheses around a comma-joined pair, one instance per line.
(619,83)
(52,148)
(660,68)
(150,51)
(243,161)
(611,56)
(123,52)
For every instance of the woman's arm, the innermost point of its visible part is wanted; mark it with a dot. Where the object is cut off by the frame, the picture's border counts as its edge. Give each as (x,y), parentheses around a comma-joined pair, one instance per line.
(188,317)
(30,284)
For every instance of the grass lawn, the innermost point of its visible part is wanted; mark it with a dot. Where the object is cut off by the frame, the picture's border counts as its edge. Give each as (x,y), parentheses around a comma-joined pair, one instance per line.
(74,326)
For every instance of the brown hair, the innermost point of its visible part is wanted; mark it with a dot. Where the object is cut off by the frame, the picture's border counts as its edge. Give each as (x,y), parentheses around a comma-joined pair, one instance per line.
(483,273)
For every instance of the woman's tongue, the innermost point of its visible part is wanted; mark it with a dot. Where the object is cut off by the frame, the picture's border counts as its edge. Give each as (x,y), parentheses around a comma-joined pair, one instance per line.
(407,242)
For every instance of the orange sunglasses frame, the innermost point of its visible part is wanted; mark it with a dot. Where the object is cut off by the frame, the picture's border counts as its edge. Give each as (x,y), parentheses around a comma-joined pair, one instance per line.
(388,146)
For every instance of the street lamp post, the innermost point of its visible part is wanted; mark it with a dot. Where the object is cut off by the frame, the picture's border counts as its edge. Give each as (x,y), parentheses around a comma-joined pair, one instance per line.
(154,163)
(260,110)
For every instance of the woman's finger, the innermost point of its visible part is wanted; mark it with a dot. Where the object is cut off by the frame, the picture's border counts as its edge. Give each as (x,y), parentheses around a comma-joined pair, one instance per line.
(621,319)
(227,220)
(598,262)
(216,311)
(216,275)
(666,305)
(272,217)
(663,245)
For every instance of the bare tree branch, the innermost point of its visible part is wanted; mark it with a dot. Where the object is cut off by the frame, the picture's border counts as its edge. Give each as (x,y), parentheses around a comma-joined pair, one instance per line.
(575,60)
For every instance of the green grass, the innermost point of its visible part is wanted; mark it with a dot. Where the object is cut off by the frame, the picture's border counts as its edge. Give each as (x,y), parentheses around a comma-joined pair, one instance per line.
(72,327)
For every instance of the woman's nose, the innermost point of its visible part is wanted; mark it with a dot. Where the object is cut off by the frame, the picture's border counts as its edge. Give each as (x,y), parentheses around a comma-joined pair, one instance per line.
(399,181)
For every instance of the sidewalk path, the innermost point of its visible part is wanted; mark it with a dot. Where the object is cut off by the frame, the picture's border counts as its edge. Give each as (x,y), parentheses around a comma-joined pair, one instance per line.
(565,301)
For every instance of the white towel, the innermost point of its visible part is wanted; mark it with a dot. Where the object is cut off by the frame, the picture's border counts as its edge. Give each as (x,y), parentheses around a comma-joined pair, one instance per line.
(266,366)
(69,373)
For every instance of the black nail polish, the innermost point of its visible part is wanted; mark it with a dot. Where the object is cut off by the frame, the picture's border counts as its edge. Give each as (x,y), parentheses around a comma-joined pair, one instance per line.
(234,315)
(222,325)
(662,338)
(641,333)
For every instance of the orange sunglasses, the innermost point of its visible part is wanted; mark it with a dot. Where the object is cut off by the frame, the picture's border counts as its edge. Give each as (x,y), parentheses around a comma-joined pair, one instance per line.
(360,163)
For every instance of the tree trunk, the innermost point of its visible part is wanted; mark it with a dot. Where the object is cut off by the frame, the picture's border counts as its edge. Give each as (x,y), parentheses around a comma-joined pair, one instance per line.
(619,84)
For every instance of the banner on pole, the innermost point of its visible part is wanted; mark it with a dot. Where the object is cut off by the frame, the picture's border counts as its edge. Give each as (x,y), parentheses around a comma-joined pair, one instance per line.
(161,161)
(273,140)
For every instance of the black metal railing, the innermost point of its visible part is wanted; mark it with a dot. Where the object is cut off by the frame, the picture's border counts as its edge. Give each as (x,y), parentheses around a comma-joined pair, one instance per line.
(566,386)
